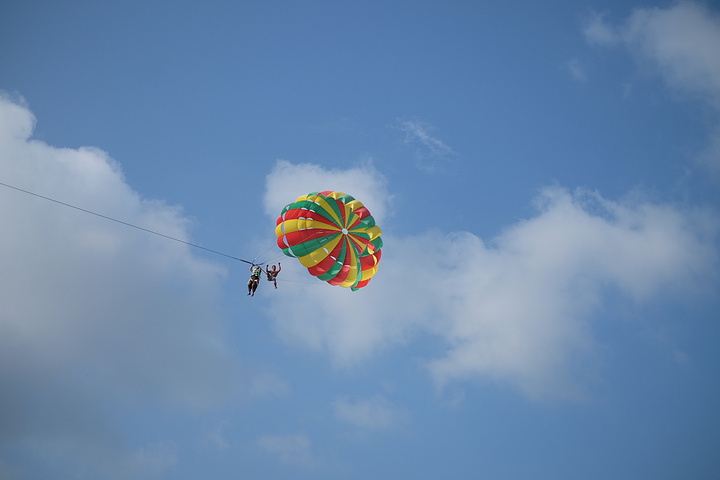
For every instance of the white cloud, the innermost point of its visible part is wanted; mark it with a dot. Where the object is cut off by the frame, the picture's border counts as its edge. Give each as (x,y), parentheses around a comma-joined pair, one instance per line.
(373,413)
(710,156)
(576,69)
(106,460)
(217,438)
(519,312)
(430,151)
(95,315)
(293,449)
(516,310)
(598,31)
(154,459)
(267,384)
(681,43)
(288,181)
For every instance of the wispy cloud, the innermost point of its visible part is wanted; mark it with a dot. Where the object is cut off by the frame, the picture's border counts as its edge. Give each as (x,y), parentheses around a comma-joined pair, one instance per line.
(156,459)
(217,438)
(576,69)
(598,31)
(710,156)
(681,43)
(373,413)
(293,449)
(430,152)
(267,384)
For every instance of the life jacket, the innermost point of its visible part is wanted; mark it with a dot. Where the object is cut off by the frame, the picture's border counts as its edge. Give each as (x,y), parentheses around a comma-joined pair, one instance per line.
(256,272)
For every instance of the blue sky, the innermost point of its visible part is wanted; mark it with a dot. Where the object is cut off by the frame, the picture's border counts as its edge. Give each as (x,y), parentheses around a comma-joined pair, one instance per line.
(547,179)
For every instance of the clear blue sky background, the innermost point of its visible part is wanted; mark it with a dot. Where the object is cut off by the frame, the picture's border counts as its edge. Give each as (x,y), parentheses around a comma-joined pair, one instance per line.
(547,178)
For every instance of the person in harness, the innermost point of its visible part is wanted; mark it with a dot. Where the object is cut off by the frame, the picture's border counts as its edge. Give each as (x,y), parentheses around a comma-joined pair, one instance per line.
(256,271)
(272,273)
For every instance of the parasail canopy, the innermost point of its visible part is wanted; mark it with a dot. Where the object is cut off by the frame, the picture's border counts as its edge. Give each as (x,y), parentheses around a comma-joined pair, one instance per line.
(333,235)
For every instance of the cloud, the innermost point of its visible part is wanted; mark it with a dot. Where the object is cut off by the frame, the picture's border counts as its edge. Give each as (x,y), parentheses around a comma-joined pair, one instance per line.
(576,69)
(681,43)
(710,156)
(267,384)
(217,438)
(372,413)
(155,459)
(519,312)
(95,316)
(288,181)
(430,151)
(292,449)
(598,32)
(99,460)
(684,42)
(516,309)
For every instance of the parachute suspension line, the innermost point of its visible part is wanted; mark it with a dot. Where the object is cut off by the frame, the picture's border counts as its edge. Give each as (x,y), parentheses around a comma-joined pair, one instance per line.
(269,253)
(125,223)
(268,260)
(272,254)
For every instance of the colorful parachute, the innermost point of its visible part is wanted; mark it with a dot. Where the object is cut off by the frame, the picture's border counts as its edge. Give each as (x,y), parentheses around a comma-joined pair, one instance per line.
(333,235)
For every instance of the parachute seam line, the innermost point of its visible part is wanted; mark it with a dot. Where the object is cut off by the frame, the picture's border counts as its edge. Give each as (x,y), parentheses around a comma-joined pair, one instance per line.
(124,223)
